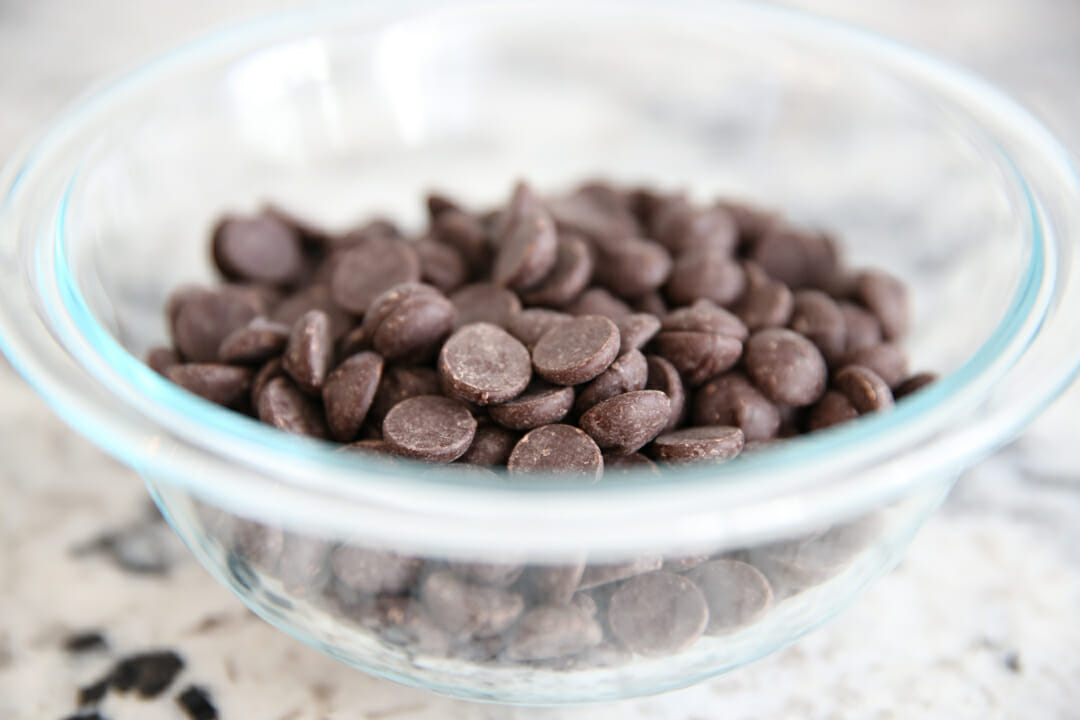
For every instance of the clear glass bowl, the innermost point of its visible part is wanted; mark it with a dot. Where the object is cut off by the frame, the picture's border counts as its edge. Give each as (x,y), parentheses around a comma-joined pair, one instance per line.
(353,108)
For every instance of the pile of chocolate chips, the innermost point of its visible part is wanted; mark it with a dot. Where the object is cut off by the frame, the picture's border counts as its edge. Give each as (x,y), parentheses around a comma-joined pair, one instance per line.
(603,328)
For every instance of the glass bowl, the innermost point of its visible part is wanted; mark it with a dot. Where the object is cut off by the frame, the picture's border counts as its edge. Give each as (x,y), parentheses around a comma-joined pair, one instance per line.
(423,575)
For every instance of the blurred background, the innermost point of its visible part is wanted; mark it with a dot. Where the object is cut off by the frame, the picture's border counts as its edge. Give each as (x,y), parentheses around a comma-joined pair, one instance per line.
(980,620)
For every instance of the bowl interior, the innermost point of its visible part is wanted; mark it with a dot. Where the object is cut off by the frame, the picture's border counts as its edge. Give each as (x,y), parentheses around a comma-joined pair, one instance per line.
(338,124)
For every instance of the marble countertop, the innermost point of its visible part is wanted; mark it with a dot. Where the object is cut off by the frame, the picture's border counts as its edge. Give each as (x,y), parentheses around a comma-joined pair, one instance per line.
(979,621)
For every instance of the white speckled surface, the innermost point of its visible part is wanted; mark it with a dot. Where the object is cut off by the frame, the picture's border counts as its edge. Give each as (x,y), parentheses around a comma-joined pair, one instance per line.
(980,620)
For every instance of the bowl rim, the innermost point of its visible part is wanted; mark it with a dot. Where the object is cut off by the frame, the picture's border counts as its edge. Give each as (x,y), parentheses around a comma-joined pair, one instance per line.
(804,481)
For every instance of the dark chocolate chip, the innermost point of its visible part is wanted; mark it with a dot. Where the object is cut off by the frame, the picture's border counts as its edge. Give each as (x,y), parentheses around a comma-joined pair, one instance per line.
(483,364)
(400,383)
(598,301)
(491,445)
(651,303)
(627,422)
(632,266)
(348,394)
(568,277)
(913,384)
(636,330)
(708,275)
(552,584)
(886,297)
(148,674)
(467,235)
(487,303)
(309,351)
(888,360)
(627,374)
(864,388)
(832,409)
(556,450)
(551,631)
(527,246)
(283,405)
(683,228)
(619,464)
(315,297)
(373,571)
(464,608)
(429,427)
(576,351)
(204,320)
(658,614)
(160,359)
(705,316)
(597,575)
(766,302)
(664,376)
(731,399)
(196,703)
(786,367)
(797,258)
(256,342)
(222,384)
(698,355)
(819,318)
(862,328)
(364,272)
(541,405)
(409,322)
(693,444)
(258,249)
(441,265)
(736,592)
(530,324)
(270,370)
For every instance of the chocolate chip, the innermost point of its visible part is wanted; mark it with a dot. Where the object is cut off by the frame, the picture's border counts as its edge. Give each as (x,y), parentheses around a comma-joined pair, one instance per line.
(886,297)
(627,422)
(400,383)
(888,360)
(698,355)
(832,409)
(766,302)
(371,571)
(84,642)
(598,301)
(196,704)
(731,399)
(491,445)
(796,258)
(864,388)
(438,203)
(576,351)
(222,384)
(736,592)
(315,297)
(497,574)
(552,584)
(485,303)
(619,464)
(693,444)
(786,367)
(309,351)
(557,450)
(441,265)
(597,575)
(348,393)
(148,674)
(708,275)
(160,359)
(483,364)
(651,303)
(283,405)
(256,342)
(819,318)
(429,427)
(684,229)
(627,374)
(862,328)
(568,277)
(366,271)
(542,405)
(551,631)
(467,609)
(467,235)
(664,376)
(527,247)
(409,321)
(203,321)
(632,266)
(914,384)
(599,216)
(635,330)
(684,563)
(705,316)
(258,249)
(270,370)
(529,325)
(658,614)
